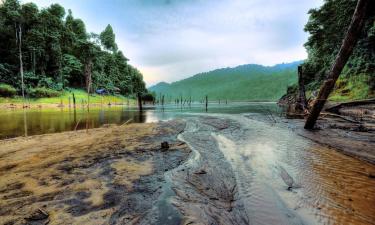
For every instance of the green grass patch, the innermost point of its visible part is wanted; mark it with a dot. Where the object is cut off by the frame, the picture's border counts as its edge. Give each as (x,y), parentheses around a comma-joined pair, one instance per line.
(351,88)
(7,90)
(80,95)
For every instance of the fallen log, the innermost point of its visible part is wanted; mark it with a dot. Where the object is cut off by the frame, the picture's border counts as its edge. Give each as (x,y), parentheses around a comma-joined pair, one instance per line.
(336,108)
(341,117)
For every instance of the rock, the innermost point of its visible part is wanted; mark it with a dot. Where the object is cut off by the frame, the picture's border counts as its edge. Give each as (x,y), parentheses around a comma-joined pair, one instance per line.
(38,214)
(165,145)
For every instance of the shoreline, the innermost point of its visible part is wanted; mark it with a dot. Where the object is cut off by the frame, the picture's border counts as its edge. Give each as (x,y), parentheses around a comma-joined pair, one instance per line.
(330,133)
(35,105)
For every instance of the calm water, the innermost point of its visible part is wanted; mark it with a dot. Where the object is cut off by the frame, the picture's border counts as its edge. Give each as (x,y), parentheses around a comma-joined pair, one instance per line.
(16,122)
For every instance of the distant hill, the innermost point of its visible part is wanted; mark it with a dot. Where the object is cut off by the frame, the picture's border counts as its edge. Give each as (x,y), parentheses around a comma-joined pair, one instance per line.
(245,82)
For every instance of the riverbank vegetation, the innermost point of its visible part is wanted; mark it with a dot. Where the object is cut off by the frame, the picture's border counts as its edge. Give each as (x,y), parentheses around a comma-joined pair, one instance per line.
(52,51)
(327,26)
(66,96)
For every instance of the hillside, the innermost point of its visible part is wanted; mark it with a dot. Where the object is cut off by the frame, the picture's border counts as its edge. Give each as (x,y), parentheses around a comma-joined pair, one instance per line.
(327,26)
(246,82)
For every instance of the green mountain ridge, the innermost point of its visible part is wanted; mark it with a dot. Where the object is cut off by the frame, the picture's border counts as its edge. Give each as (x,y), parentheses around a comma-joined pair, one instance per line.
(251,82)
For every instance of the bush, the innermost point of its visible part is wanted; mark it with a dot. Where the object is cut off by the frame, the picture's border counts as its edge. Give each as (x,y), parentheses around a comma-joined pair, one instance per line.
(292,89)
(7,90)
(148,97)
(41,92)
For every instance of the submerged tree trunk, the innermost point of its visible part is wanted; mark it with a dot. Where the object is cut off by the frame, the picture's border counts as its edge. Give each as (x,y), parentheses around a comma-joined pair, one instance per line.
(139,101)
(342,57)
(206,103)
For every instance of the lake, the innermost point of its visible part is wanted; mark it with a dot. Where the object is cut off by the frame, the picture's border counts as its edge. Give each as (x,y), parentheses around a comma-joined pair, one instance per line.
(16,122)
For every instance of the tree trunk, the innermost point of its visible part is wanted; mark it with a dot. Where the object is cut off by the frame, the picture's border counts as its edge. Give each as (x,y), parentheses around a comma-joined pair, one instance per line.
(206,102)
(88,68)
(139,102)
(301,90)
(342,57)
(19,36)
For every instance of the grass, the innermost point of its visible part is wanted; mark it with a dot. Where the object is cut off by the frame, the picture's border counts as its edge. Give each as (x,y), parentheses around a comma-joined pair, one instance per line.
(351,88)
(80,95)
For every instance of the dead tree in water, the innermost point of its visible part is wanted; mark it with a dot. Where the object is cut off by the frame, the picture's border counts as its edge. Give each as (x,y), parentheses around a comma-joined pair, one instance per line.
(206,102)
(342,57)
(139,98)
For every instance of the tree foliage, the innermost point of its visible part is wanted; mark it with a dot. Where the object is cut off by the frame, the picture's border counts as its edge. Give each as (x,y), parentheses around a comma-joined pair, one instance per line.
(327,26)
(56,49)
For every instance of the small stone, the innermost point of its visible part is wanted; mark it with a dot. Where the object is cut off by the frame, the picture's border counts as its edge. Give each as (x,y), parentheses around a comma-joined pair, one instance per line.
(165,145)
(38,214)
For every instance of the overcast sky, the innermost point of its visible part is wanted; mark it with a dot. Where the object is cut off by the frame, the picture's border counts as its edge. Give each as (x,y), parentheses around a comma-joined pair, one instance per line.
(169,40)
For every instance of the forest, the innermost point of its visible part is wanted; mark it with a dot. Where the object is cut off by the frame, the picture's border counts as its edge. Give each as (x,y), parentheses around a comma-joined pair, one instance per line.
(54,52)
(246,82)
(326,27)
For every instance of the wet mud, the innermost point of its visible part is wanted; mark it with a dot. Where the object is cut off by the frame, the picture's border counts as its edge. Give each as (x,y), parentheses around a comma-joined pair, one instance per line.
(245,171)
(112,175)
(219,169)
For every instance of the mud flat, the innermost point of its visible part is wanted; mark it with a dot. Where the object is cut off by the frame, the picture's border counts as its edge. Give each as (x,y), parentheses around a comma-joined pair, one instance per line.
(109,175)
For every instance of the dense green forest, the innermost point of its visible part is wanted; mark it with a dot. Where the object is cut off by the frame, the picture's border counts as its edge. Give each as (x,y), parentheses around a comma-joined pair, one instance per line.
(246,82)
(327,26)
(58,53)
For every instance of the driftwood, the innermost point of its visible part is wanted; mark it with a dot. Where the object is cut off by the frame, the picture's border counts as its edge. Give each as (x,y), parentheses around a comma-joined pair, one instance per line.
(341,117)
(336,108)
(342,57)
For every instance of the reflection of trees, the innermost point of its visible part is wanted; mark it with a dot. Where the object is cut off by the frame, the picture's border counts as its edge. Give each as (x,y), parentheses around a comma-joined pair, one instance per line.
(31,122)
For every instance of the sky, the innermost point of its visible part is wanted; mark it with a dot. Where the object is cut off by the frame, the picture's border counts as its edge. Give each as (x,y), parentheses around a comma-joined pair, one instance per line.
(169,40)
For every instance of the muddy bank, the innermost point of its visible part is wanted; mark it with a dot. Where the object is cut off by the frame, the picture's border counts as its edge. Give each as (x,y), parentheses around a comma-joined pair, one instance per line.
(349,129)
(111,175)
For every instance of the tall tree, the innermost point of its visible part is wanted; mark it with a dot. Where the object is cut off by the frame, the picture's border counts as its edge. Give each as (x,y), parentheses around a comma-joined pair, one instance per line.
(348,44)
(108,38)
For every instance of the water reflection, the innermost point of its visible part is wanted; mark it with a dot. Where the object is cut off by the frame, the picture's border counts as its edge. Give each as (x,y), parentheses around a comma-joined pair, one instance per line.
(26,122)
(15,122)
